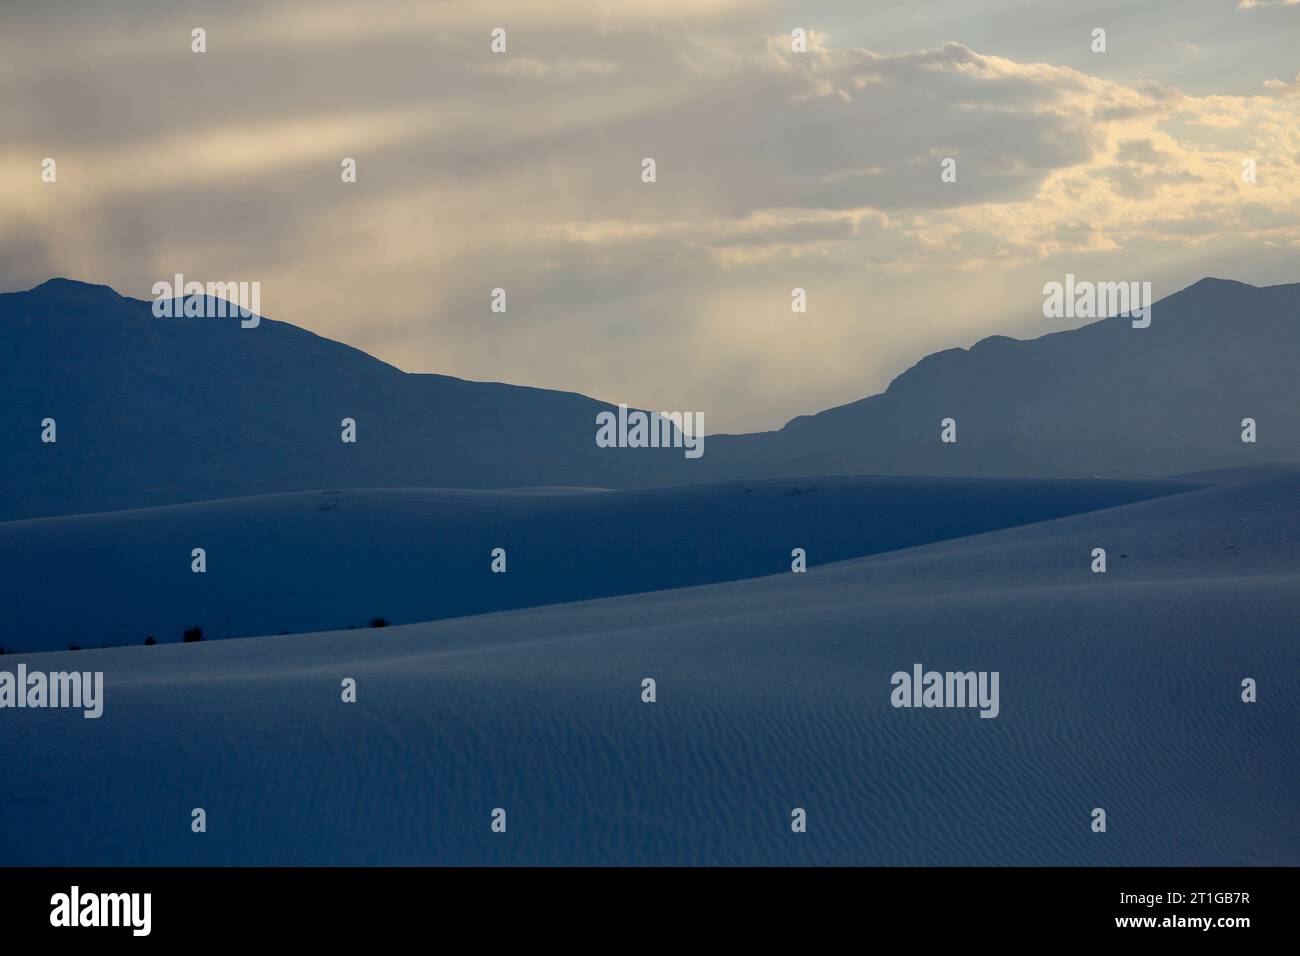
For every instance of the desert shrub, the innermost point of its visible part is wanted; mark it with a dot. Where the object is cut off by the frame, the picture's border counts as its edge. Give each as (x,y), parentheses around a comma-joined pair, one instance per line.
(192,635)
(149,641)
(379,622)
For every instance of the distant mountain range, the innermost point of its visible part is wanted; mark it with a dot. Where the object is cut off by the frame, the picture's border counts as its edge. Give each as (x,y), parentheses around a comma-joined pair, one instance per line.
(154,411)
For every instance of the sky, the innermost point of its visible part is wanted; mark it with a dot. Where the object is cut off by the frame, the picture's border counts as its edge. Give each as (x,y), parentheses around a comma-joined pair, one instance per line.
(775,170)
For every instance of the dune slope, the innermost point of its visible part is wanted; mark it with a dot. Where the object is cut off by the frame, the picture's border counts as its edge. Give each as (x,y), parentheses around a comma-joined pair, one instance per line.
(1119,691)
(326,560)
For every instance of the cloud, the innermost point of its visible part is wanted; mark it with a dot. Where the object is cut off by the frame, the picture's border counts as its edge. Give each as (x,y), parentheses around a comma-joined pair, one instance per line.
(528,67)
(819,170)
(1282,88)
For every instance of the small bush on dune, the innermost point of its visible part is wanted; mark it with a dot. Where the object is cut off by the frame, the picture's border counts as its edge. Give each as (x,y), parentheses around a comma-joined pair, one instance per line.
(149,641)
(192,635)
(379,622)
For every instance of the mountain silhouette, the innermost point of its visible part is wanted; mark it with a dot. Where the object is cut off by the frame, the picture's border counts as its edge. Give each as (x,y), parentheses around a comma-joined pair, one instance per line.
(1104,398)
(154,411)
(163,410)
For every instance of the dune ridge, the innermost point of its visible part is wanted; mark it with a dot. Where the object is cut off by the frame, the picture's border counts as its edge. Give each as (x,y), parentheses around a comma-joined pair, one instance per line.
(1118,690)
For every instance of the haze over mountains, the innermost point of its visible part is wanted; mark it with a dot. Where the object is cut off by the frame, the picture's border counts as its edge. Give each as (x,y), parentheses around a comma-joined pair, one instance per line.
(156,411)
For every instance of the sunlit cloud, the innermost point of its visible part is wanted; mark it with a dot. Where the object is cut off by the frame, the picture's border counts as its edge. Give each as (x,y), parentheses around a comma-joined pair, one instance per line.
(521,170)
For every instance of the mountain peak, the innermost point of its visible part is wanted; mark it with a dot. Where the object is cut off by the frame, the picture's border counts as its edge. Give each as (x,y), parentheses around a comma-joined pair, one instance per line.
(70,288)
(1213,282)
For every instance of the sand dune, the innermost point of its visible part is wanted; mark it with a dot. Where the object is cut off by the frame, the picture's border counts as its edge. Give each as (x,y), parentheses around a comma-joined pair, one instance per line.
(324,560)
(1118,691)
